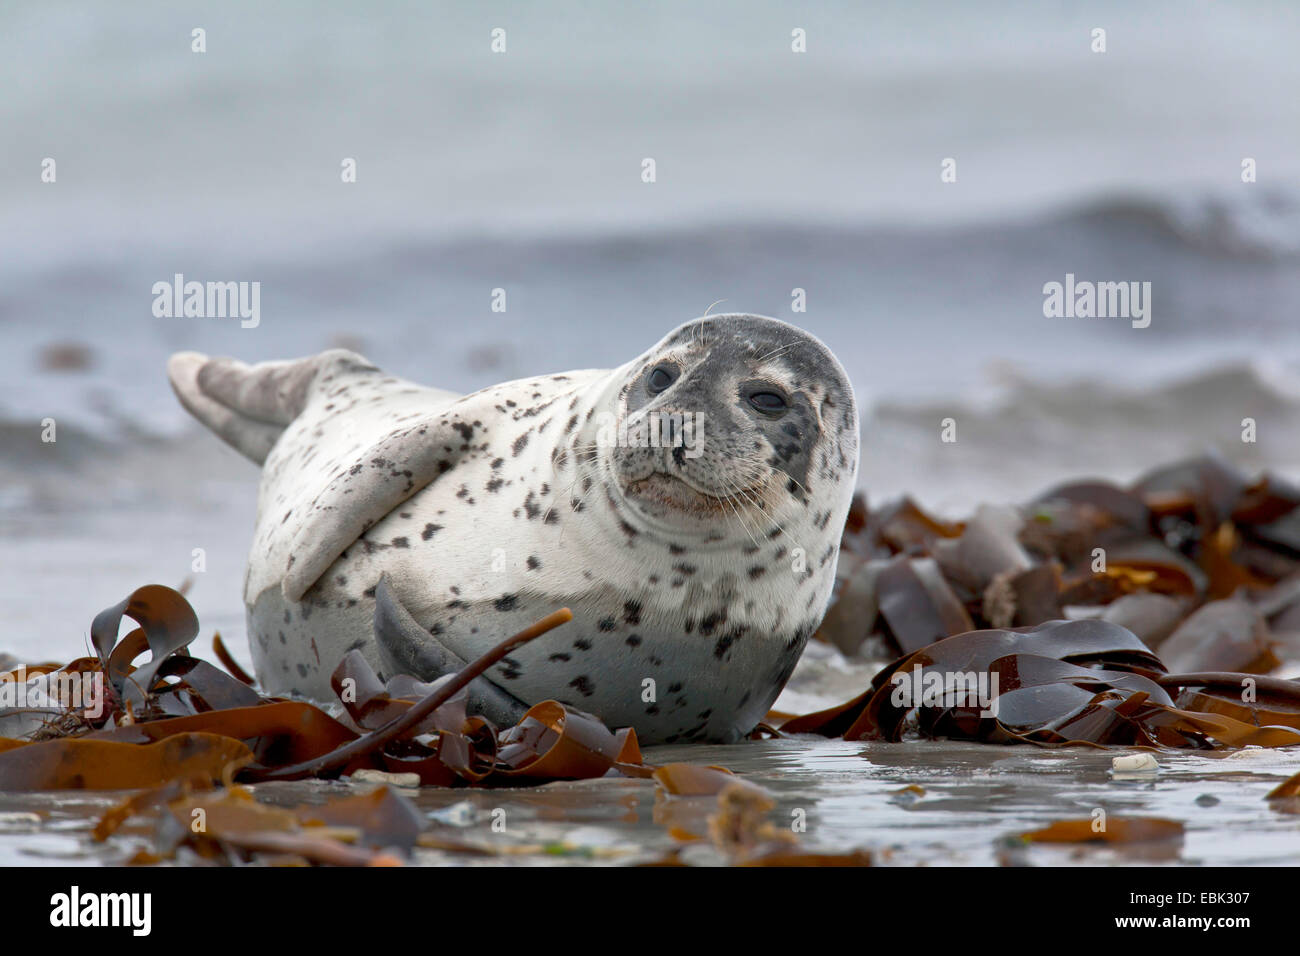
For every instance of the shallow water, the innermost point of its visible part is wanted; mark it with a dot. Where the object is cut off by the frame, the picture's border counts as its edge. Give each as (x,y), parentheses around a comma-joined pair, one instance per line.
(976,800)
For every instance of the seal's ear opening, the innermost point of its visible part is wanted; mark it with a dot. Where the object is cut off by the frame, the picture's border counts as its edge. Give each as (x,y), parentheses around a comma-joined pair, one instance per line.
(407,648)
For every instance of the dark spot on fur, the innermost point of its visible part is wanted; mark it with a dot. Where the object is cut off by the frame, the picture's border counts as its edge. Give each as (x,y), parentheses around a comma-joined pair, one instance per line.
(583,685)
(726,640)
(632,612)
(710,622)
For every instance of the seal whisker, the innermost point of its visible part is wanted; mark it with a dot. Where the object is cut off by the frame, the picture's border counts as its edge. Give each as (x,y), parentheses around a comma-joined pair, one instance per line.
(758,462)
(777,351)
(760,491)
(767,511)
(731,499)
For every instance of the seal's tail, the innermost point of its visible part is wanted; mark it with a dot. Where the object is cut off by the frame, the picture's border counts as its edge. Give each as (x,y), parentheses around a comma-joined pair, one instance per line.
(248,406)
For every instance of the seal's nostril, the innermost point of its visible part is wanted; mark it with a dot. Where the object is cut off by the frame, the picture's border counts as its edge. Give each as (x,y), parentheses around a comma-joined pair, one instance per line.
(679,456)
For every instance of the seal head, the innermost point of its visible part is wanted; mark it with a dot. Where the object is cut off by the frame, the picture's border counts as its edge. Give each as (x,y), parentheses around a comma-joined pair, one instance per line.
(740,405)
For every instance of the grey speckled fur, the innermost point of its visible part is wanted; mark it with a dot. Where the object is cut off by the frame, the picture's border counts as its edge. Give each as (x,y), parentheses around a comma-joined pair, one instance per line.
(693,595)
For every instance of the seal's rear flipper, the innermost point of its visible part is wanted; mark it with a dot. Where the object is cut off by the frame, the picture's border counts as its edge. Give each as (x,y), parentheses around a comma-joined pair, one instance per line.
(407,648)
(248,436)
(248,406)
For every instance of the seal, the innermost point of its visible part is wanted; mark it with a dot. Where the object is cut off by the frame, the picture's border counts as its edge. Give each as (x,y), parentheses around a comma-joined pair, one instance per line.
(687,506)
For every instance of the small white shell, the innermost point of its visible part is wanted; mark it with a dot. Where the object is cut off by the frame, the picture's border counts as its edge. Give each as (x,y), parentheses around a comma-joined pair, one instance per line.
(1134,763)
(380,776)
(19,822)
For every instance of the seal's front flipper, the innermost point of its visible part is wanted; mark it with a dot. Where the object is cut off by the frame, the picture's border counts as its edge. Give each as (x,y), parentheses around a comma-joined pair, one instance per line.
(407,648)
(362,494)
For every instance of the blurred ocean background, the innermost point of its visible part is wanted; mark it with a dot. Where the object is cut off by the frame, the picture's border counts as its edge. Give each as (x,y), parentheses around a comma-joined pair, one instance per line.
(522,171)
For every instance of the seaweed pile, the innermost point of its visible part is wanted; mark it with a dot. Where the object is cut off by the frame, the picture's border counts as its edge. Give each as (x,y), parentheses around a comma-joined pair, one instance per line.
(177,716)
(174,727)
(1144,616)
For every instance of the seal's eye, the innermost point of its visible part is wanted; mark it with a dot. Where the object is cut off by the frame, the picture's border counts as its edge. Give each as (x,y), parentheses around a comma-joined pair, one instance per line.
(661,378)
(770,403)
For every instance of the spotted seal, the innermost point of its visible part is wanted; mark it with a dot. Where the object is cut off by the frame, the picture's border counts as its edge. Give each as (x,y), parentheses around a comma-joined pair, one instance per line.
(687,506)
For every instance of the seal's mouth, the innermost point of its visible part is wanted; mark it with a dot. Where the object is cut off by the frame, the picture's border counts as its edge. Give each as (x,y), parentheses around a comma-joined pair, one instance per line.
(672,493)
